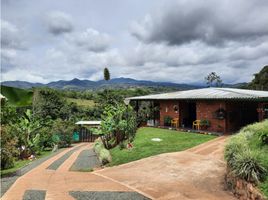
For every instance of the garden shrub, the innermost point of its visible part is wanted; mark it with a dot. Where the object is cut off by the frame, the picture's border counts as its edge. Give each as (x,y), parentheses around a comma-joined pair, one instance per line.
(64,130)
(102,153)
(105,156)
(248,167)
(235,145)
(263,136)
(8,148)
(243,152)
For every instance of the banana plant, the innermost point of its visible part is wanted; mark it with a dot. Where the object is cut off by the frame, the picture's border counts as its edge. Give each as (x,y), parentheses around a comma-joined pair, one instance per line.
(27,129)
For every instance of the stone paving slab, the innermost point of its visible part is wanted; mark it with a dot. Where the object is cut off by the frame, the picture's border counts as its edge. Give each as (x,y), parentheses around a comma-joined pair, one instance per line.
(86,161)
(57,163)
(106,195)
(34,195)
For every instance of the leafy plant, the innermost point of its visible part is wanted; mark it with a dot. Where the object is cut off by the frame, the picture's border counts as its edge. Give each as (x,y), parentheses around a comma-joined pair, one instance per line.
(64,130)
(102,153)
(8,147)
(167,120)
(263,136)
(118,124)
(27,130)
(205,122)
(248,167)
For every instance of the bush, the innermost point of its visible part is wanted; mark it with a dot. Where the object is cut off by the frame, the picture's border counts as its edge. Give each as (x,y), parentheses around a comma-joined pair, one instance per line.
(244,155)
(248,167)
(102,153)
(64,129)
(263,136)
(235,145)
(105,156)
(8,148)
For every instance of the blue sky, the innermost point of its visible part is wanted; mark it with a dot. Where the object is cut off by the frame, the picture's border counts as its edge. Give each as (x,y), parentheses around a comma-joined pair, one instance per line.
(161,40)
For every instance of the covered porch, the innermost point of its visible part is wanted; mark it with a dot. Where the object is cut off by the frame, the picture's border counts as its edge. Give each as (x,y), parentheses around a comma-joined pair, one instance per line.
(221,110)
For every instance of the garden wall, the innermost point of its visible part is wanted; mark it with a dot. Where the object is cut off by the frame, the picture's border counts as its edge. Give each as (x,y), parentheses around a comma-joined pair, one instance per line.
(241,189)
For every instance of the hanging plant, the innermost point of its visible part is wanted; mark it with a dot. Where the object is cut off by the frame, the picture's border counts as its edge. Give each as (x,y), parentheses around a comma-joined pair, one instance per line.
(220,113)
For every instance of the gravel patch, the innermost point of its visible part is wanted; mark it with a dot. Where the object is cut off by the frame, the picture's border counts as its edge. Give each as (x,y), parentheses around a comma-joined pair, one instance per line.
(92,195)
(7,182)
(34,195)
(86,161)
(57,163)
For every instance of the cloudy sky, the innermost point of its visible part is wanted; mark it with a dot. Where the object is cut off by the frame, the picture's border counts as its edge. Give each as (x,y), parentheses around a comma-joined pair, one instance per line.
(161,40)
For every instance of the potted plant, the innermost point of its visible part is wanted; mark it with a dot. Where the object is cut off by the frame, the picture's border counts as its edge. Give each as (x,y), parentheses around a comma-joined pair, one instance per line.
(220,113)
(167,121)
(205,123)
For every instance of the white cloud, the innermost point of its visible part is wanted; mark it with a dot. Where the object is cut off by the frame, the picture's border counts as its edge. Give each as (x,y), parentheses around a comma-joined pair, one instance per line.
(90,40)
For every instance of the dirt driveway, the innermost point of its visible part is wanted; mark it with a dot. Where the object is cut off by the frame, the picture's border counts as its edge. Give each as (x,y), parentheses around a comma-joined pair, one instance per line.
(196,173)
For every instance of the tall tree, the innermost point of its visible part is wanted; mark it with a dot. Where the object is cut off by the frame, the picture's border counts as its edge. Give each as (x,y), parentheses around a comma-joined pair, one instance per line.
(213,80)
(106,74)
(260,81)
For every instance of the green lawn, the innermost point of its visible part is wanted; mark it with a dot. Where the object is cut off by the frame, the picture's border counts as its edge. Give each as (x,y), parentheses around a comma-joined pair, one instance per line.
(82,102)
(144,147)
(22,163)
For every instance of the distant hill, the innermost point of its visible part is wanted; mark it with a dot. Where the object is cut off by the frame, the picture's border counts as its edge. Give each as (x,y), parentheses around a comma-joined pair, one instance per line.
(77,84)
(17,96)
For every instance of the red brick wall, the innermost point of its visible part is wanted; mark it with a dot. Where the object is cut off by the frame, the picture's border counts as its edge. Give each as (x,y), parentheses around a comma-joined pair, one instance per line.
(167,109)
(206,109)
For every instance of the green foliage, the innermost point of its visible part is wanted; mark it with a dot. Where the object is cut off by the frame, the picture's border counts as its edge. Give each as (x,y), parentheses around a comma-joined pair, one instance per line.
(105,156)
(17,96)
(48,103)
(118,124)
(64,129)
(248,167)
(102,153)
(246,155)
(205,122)
(146,112)
(27,131)
(260,81)
(167,120)
(106,74)
(213,80)
(8,113)
(264,137)
(8,148)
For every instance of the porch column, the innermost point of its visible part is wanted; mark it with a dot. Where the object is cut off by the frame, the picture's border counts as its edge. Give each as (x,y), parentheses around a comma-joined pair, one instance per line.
(260,111)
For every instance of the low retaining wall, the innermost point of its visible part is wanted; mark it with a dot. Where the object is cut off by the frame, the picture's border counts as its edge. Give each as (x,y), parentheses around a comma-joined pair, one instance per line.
(243,190)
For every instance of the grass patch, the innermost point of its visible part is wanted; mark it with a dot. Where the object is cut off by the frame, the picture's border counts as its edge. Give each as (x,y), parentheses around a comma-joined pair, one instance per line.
(17,96)
(82,102)
(144,146)
(22,163)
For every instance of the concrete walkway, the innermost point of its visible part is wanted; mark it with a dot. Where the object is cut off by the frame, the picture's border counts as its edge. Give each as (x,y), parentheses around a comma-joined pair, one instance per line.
(196,173)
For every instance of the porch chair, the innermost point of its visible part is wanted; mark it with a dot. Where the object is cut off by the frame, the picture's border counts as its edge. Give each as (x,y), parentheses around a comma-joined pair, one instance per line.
(175,122)
(196,124)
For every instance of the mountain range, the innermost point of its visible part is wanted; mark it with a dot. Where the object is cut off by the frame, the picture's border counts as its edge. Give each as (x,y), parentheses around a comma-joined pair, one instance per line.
(77,84)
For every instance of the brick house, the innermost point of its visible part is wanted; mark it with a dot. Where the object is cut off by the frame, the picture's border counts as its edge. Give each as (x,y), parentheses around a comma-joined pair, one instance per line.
(226,109)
